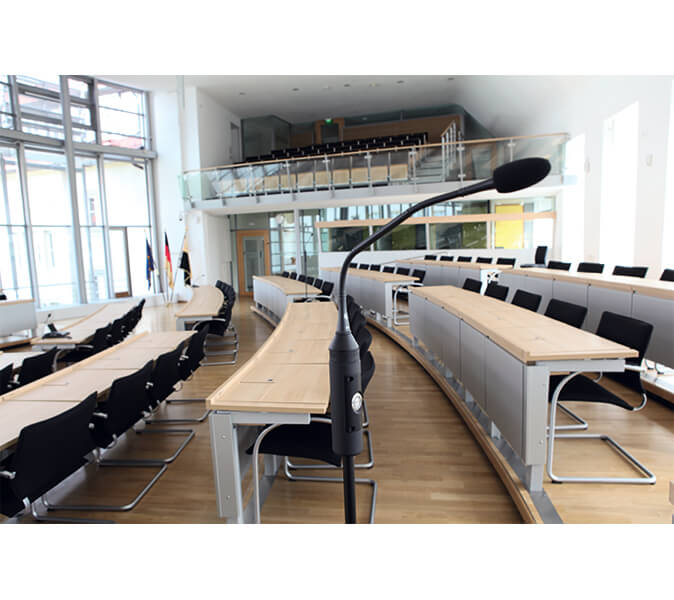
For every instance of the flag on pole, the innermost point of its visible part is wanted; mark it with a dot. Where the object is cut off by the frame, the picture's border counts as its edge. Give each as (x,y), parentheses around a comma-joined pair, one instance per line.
(149,264)
(185,263)
(169,266)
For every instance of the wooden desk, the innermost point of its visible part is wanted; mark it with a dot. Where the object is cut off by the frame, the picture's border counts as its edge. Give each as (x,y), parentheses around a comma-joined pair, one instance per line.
(273,293)
(275,386)
(16,316)
(646,299)
(15,358)
(443,272)
(83,329)
(504,356)
(371,289)
(205,303)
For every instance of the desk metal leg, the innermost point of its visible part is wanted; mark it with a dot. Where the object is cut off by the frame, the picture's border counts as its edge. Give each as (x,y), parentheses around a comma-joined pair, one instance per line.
(227,476)
(533,477)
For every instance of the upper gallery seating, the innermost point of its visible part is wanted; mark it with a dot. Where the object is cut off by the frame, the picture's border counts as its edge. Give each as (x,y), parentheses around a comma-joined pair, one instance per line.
(387,141)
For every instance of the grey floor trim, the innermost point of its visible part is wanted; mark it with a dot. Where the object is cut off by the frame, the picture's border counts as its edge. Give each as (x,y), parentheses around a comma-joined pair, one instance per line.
(541,500)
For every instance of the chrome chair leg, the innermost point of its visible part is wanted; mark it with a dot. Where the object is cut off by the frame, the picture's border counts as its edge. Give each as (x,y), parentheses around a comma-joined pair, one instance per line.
(366,465)
(647,478)
(189,436)
(30,506)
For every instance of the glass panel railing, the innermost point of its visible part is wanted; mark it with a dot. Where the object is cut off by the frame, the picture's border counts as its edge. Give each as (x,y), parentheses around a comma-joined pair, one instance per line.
(451,160)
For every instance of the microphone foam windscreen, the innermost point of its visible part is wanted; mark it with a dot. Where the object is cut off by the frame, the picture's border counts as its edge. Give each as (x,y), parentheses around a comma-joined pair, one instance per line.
(520,174)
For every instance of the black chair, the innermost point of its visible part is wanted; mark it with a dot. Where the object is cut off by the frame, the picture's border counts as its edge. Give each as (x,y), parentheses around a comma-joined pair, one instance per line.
(485,260)
(630,271)
(575,387)
(494,290)
(124,406)
(566,312)
(46,453)
(116,334)
(465,259)
(285,274)
(318,283)
(447,258)
(353,266)
(527,300)
(539,257)
(302,277)
(310,280)
(389,269)
(293,275)
(558,265)
(430,257)
(327,288)
(218,328)
(473,285)
(590,267)
(364,267)
(505,261)
(35,368)
(6,379)
(98,343)
(667,275)
(402,292)
(375,267)
(403,271)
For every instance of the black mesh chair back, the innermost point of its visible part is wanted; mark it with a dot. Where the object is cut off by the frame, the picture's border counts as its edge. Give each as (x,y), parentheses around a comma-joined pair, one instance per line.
(465,259)
(220,285)
(403,271)
(667,275)
(364,340)
(310,280)
(353,265)
(389,269)
(633,333)
(472,285)
(367,367)
(630,271)
(420,274)
(116,332)
(194,354)
(539,257)
(5,378)
(590,267)
(285,274)
(558,265)
(364,267)
(494,290)
(566,312)
(505,261)
(165,376)
(327,288)
(318,283)
(36,367)
(100,340)
(485,260)
(527,300)
(447,258)
(47,452)
(375,267)
(293,276)
(430,257)
(124,406)
(302,277)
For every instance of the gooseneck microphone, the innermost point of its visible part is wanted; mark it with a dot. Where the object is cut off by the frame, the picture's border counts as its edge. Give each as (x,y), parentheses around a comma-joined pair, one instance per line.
(346,398)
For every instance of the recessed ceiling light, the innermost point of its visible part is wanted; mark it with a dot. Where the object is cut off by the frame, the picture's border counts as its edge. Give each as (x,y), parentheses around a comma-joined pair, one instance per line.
(242,93)
(400,81)
(296,89)
(327,87)
(450,78)
(374,84)
(347,85)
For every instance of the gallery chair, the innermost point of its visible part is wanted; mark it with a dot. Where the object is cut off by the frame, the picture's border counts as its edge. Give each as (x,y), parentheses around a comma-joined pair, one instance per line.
(465,259)
(505,261)
(403,271)
(472,285)
(430,257)
(539,257)
(447,258)
(47,452)
(630,271)
(389,269)
(293,275)
(401,292)
(566,312)
(364,267)
(375,267)
(558,265)
(302,277)
(590,267)
(527,300)
(484,260)
(576,387)
(667,275)
(494,290)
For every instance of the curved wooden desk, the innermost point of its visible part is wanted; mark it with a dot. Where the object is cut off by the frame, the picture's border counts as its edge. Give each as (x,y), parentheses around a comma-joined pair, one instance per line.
(205,303)
(274,293)
(646,299)
(371,289)
(504,355)
(285,381)
(444,272)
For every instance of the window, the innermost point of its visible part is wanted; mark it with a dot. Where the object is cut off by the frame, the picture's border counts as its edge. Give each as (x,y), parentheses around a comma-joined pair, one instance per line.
(122,114)
(6,112)
(572,207)
(342,239)
(404,237)
(40,105)
(126,192)
(619,186)
(668,224)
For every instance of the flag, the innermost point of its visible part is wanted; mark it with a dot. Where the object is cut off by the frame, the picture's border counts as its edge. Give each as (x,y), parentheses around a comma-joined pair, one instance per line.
(169,266)
(185,263)
(149,264)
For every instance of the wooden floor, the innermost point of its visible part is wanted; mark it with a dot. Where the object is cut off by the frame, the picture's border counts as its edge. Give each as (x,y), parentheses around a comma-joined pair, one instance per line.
(428,466)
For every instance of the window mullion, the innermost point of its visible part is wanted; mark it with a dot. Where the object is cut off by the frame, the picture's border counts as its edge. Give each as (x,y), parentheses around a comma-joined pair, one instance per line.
(106,227)
(16,109)
(23,181)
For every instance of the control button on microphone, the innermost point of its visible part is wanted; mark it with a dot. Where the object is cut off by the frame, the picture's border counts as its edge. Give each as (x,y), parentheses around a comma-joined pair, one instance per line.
(356,401)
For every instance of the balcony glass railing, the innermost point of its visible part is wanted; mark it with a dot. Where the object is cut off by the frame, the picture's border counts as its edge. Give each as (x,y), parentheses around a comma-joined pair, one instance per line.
(450,160)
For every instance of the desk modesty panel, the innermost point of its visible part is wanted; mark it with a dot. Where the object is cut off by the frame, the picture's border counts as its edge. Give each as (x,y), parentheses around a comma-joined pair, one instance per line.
(205,303)
(274,293)
(440,272)
(17,315)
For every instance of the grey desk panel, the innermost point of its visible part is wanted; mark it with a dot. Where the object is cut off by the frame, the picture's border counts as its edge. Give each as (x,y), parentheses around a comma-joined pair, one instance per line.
(513,283)
(451,343)
(540,286)
(600,299)
(570,292)
(472,363)
(659,312)
(435,331)
(417,316)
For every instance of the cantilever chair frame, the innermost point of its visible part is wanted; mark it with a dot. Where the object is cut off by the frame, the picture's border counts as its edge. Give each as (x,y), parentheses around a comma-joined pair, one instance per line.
(647,478)
(396,311)
(230,352)
(291,477)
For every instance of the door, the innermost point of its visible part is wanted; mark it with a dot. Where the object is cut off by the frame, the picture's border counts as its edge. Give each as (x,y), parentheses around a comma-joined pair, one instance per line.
(253,257)
(119,253)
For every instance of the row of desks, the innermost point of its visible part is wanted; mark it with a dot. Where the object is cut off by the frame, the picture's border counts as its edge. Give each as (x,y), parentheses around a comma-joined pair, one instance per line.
(504,356)
(275,293)
(63,389)
(205,303)
(442,272)
(286,381)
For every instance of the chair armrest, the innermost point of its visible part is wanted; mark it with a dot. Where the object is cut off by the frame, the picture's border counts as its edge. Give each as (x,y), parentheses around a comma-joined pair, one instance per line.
(635,368)
(100,415)
(7,474)
(84,347)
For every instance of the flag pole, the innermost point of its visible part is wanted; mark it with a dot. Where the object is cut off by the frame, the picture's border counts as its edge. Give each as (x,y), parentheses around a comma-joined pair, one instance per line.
(175,270)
